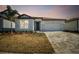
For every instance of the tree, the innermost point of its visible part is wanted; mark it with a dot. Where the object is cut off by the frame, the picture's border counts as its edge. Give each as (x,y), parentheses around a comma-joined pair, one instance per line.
(11,14)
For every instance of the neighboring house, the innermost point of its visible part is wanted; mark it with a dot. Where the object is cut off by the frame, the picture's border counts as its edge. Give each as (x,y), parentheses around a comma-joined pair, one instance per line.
(5,25)
(72,25)
(28,23)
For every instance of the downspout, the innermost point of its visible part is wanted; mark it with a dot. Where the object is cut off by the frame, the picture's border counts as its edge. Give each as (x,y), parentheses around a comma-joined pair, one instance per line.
(64,27)
(77,25)
(34,26)
(41,25)
(2,26)
(11,26)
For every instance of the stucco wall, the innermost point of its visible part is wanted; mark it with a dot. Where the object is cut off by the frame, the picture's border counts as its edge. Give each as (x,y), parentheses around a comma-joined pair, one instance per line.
(7,24)
(71,26)
(30,25)
(52,25)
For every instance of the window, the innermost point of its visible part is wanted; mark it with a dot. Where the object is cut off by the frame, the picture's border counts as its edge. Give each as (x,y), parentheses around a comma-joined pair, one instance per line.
(23,24)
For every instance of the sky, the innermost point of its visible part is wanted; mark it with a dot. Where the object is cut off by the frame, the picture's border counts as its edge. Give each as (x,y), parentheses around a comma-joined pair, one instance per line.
(50,11)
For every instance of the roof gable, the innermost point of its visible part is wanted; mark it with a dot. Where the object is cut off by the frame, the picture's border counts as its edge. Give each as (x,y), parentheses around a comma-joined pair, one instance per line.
(24,16)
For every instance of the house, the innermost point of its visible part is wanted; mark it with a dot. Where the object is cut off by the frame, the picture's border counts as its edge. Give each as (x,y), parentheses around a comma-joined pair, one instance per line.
(27,23)
(72,24)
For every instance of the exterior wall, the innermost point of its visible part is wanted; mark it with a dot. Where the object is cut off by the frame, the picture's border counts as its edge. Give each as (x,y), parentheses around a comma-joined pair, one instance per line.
(52,25)
(71,26)
(7,25)
(30,25)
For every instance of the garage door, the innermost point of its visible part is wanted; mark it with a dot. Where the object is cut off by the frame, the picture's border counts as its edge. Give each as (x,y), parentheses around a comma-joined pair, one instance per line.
(52,25)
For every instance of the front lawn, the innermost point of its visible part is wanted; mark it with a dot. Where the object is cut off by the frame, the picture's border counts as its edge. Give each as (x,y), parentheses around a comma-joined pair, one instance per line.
(25,43)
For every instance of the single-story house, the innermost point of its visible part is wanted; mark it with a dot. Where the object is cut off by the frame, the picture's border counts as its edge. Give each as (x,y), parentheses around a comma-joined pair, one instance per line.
(27,23)
(72,25)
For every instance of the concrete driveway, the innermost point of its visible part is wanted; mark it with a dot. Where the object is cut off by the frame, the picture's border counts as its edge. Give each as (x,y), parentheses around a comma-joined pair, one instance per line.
(64,42)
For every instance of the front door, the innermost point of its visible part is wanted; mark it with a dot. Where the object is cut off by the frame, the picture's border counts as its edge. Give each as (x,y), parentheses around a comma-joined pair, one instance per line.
(37,26)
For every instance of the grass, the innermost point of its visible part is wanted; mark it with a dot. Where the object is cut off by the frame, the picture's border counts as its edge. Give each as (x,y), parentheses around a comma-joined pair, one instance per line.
(25,43)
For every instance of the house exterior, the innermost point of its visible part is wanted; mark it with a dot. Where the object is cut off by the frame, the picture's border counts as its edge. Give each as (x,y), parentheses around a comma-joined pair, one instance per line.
(28,23)
(5,25)
(72,25)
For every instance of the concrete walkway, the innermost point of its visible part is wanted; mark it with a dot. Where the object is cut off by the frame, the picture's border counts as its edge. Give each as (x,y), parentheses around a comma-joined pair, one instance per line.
(64,42)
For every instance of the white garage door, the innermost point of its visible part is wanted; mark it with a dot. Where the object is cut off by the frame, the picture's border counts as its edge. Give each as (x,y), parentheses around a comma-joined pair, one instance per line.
(52,25)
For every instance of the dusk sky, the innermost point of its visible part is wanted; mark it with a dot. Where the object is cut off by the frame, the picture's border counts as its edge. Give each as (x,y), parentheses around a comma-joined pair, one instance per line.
(52,11)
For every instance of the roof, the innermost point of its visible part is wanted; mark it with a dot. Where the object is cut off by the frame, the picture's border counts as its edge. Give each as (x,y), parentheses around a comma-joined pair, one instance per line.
(49,19)
(37,17)
(24,16)
(73,19)
(52,19)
